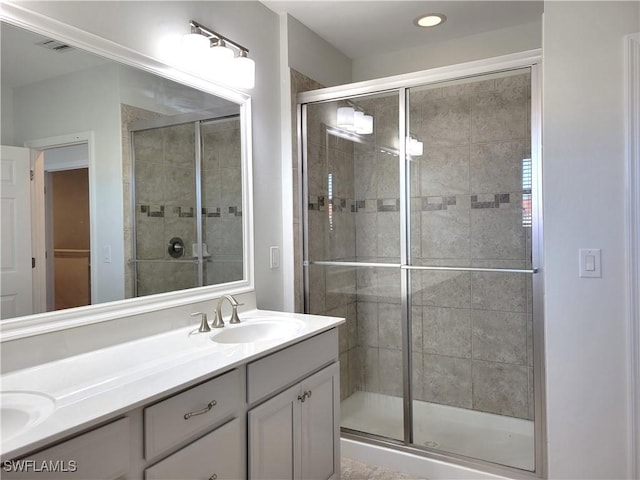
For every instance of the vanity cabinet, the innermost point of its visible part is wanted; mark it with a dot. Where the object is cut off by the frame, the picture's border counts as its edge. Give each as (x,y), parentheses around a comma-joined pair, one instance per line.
(100,454)
(295,434)
(276,417)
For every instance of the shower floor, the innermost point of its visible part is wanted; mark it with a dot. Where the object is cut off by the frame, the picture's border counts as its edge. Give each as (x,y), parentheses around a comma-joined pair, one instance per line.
(495,438)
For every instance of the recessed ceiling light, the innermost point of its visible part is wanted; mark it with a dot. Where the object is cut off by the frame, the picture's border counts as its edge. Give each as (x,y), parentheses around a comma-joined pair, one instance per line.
(430,20)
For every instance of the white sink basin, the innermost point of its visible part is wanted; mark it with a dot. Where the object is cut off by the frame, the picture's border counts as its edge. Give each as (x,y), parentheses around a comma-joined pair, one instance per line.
(20,411)
(256,331)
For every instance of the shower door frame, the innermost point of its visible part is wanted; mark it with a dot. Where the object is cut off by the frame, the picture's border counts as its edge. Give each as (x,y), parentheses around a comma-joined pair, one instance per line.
(402,83)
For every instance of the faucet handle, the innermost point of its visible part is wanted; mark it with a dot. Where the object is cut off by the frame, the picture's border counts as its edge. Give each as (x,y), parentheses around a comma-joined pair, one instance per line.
(204,325)
(234,314)
(217,321)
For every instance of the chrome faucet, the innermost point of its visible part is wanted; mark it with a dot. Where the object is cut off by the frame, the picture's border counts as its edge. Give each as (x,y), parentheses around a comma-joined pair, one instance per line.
(218,322)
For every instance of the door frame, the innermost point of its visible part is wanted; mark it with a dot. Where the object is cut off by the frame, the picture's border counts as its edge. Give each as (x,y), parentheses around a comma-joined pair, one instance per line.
(39,241)
(632,178)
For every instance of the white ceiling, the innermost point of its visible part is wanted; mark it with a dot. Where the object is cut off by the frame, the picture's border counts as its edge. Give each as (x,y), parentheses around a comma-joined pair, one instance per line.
(23,61)
(363,28)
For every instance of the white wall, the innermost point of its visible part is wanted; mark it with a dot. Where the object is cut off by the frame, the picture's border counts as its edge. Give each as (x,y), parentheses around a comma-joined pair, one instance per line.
(519,38)
(304,51)
(84,101)
(314,57)
(583,182)
(141,26)
(6,114)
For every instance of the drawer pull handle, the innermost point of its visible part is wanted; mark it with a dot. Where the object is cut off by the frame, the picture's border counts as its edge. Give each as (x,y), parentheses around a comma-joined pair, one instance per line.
(206,409)
(304,396)
(213,477)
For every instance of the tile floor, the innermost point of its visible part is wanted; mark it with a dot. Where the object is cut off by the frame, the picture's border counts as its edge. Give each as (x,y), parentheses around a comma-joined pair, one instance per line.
(354,470)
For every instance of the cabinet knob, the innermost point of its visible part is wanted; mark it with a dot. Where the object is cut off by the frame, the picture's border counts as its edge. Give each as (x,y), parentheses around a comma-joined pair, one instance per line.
(206,409)
(304,396)
(213,477)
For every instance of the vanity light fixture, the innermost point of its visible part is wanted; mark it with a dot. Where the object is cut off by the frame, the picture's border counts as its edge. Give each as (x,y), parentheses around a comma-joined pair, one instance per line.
(352,120)
(206,51)
(430,20)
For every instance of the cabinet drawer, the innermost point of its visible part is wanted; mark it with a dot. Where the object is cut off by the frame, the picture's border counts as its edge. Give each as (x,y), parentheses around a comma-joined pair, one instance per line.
(102,453)
(219,454)
(179,417)
(270,374)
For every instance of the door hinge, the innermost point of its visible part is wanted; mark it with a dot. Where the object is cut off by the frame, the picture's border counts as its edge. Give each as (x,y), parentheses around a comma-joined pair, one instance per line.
(33,262)
(31,174)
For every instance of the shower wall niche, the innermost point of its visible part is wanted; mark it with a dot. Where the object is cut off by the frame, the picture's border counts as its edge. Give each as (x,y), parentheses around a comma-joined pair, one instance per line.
(187,191)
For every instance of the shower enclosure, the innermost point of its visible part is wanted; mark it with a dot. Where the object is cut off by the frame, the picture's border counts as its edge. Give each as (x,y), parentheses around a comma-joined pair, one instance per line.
(423,234)
(187,195)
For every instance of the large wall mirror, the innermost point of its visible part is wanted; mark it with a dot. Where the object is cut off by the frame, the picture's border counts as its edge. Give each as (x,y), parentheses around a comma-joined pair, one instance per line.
(140,183)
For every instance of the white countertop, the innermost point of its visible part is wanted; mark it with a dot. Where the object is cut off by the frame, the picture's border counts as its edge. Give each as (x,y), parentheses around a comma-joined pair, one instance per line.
(93,387)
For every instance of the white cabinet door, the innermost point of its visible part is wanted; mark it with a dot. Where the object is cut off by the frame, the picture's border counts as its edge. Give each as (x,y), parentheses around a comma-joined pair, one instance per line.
(295,435)
(273,436)
(320,424)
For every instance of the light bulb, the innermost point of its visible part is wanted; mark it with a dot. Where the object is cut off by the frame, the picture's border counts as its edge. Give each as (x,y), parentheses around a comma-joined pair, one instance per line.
(243,72)
(194,48)
(345,118)
(195,42)
(364,124)
(358,120)
(220,53)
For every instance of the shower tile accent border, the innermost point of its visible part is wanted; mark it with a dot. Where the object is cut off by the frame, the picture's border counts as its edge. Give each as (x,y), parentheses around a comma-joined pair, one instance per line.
(483,201)
(211,212)
(183,212)
(235,211)
(388,204)
(187,212)
(152,210)
(316,203)
(319,203)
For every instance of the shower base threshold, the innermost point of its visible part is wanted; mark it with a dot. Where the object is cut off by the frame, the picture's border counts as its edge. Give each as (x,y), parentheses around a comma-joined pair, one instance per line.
(486,436)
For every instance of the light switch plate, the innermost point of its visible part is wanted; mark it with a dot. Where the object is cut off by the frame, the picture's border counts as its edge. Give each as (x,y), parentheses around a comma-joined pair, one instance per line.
(590,263)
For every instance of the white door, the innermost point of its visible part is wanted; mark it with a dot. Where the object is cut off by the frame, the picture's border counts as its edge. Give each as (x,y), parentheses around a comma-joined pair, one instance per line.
(15,263)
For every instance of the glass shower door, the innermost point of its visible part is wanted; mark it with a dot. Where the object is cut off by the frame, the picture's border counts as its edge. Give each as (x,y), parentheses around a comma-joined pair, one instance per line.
(426,247)
(471,260)
(353,231)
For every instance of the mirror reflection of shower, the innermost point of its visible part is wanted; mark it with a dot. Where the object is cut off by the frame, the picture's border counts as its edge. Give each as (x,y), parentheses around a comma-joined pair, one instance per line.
(187,202)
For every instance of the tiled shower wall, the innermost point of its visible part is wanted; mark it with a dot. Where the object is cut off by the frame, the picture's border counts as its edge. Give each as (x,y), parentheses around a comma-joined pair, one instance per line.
(222,200)
(472,333)
(129,115)
(165,207)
